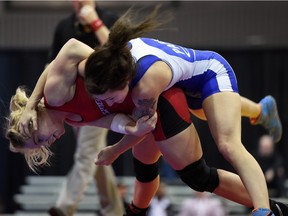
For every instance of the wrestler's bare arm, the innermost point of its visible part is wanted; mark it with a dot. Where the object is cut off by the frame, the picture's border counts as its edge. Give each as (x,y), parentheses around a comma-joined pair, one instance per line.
(130,127)
(146,93)
(110,153)
(56,81)
(60,84)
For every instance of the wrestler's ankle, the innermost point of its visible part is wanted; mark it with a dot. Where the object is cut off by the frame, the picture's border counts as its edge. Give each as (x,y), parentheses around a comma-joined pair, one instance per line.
(134,210)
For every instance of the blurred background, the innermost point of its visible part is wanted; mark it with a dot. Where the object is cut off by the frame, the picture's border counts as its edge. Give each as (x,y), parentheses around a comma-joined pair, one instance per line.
(252,36)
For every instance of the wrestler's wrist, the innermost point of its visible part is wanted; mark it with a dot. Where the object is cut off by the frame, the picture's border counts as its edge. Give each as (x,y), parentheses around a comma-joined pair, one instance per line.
(30,107)
(119,123)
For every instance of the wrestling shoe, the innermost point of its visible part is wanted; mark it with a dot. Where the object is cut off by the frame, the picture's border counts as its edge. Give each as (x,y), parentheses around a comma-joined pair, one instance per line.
(262,212)
(132,210)
(54,211)
(269,118)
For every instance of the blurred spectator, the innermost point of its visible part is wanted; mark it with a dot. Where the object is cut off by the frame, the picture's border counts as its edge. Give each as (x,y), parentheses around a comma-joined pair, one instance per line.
(271,163)
(203,204)
(161,204)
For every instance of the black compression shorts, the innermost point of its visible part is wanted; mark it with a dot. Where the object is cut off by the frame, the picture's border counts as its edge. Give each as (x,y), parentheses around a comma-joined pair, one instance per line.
(173,114)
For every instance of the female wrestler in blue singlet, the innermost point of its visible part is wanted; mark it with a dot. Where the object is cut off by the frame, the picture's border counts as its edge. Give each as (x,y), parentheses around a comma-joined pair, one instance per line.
(150,67)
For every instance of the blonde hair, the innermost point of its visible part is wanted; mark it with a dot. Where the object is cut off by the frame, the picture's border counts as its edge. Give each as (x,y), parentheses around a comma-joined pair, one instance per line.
(34,157)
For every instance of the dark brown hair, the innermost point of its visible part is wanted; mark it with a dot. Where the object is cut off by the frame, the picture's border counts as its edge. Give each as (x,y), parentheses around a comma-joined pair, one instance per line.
(111,66)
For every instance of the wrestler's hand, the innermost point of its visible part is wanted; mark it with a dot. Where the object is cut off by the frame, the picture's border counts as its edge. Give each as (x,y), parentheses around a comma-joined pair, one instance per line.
(106,156)
(27,121)
(143,126)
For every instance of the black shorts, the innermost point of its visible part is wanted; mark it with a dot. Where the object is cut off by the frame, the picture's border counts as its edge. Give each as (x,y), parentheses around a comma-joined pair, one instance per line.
(173,114)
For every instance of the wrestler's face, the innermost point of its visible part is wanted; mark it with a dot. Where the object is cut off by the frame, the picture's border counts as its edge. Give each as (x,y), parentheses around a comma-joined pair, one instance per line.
(49,130)
(115,96)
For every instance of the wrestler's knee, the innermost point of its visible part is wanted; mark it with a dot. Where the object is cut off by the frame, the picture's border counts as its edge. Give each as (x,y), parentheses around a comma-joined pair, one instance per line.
(199,176)
(145,172)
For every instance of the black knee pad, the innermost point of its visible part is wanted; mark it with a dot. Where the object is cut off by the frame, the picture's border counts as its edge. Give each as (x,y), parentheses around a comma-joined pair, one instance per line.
(199,176)
(145,172)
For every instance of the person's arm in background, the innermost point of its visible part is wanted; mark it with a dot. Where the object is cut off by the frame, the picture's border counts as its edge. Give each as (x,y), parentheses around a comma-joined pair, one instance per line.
(90,16)
(77,25)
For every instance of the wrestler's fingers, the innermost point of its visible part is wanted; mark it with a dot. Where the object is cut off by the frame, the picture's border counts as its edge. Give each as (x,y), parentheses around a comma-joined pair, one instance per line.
(153,119)
(26,129)
(143,119)
(34,123)
(97,161)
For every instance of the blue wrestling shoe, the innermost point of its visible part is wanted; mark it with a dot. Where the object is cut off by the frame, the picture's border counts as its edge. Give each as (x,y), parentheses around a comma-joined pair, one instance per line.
(269,118)
(262,212)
